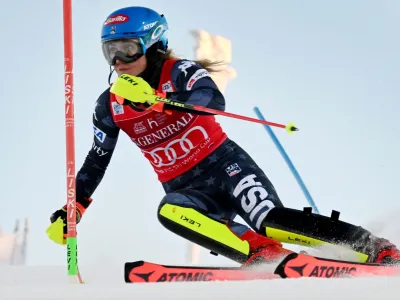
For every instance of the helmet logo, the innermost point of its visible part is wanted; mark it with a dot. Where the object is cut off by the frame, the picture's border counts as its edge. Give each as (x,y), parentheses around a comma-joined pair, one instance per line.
(157,32)
(118,19)
(113,30)
(149,26)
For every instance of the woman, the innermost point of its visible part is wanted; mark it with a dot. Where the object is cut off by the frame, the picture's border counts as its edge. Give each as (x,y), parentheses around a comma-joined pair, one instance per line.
(207,177)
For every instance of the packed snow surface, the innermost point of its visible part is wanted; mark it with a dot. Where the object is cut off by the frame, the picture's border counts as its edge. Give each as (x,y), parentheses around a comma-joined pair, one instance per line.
(44,283)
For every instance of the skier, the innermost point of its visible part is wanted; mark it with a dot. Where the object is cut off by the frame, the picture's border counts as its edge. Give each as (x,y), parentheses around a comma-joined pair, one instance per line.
(207,177)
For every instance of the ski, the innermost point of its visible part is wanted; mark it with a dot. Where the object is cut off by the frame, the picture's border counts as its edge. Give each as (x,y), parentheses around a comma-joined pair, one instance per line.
(292,266)
(303,265)
(142,272)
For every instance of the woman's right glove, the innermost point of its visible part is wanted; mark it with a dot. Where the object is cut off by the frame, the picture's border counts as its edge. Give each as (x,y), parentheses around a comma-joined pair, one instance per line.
(57,230)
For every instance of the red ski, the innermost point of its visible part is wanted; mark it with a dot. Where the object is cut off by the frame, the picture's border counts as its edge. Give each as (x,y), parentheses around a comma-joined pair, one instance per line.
(301,265)
(141,271)
(293,266)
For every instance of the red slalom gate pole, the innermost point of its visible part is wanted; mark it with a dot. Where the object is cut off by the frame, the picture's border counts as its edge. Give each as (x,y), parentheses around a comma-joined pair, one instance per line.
(72,245)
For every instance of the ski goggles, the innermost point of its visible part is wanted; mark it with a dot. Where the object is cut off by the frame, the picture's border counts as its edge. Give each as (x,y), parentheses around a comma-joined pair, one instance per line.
(126,50)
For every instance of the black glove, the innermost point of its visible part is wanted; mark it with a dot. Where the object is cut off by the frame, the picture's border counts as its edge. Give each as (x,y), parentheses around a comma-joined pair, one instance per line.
(57,231)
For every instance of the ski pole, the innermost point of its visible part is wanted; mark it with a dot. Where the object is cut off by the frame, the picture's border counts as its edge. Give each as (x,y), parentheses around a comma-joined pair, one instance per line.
(159,107)
(122,91)
(288,161)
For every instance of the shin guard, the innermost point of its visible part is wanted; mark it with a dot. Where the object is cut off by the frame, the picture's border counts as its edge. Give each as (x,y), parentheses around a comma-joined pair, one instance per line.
(200,229)
(312,230)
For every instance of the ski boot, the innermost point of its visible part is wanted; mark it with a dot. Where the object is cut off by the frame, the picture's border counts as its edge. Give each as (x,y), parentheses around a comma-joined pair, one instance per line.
(385,253)
(263,250)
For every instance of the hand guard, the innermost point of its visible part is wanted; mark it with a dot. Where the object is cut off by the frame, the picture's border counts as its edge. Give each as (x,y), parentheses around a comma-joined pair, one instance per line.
(57,230)
(134,89)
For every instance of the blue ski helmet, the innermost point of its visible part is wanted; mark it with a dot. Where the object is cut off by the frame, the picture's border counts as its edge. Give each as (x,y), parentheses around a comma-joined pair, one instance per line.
(142,24)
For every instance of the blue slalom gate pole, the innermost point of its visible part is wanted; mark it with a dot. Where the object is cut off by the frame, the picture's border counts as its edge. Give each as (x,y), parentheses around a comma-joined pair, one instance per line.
(288,161)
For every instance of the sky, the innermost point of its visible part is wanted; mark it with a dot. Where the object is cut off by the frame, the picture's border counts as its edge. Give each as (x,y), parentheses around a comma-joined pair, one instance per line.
(331,67)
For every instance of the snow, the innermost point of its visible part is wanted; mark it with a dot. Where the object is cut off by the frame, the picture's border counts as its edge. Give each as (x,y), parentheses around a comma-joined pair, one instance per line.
(107,282)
